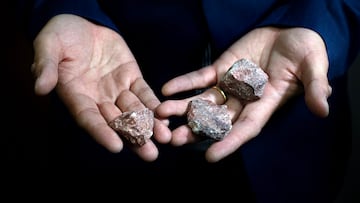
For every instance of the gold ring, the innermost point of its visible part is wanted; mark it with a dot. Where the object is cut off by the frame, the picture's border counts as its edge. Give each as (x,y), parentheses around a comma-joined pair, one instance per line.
(220,91)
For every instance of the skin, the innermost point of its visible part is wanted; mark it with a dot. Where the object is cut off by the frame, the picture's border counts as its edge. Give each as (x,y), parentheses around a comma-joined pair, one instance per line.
(296,62)
(97,77)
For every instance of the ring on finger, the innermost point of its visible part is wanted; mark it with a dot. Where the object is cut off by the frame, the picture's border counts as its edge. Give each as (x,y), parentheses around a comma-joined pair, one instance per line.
(218,89)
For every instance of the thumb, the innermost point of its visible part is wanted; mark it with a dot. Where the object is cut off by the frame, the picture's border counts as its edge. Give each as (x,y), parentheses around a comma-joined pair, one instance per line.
(45,65)
(316,84)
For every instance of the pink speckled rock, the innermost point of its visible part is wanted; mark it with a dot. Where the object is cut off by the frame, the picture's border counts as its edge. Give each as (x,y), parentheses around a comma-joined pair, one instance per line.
(244,80)
(208,119)
(135,126)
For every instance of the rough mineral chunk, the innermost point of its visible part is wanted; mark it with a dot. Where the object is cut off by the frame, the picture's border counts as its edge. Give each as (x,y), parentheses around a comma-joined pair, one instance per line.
(208,119)
(135,126)
(244,80)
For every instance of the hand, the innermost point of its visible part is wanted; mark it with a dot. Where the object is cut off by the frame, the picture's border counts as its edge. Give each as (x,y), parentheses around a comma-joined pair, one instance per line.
(96,76)
(295,60)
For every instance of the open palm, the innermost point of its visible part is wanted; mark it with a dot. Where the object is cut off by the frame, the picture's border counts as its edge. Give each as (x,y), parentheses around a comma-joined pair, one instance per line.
(96,76)
(295,60)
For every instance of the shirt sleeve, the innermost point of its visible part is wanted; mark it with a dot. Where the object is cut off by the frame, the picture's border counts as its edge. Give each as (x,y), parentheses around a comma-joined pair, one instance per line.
(336,21)
(43,10)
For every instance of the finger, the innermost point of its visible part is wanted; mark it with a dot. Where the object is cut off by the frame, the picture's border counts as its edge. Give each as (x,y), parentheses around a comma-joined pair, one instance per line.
(249,123)
(142,90)
(89,117)
(235,107)
(194,80)
(316,84)
(45,65)
(127,101)
(147,152)
(214,94)
(162,133)
(217,96)
(173,108)
(179,107)
(109,110)
(240,133)
(183,135)
(318,105)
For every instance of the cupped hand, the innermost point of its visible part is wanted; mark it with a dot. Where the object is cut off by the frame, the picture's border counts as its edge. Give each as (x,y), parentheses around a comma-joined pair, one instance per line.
(96,76)
(296,62)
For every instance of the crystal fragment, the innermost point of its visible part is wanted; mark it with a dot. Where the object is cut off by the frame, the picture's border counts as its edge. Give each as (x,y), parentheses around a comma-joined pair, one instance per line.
(244,80)
(208,119)
(135,126)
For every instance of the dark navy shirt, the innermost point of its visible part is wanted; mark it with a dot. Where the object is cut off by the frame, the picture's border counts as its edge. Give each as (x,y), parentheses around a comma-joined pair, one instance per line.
(295,151)
(189,25)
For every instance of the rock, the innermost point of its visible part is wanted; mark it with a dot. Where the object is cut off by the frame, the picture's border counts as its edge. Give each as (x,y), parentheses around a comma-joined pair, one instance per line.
(208,119)
(244,80)
(135,126)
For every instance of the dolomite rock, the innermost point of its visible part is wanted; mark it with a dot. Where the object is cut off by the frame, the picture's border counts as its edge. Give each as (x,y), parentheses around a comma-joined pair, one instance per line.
(135,126)
(208,119)
(244,80)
